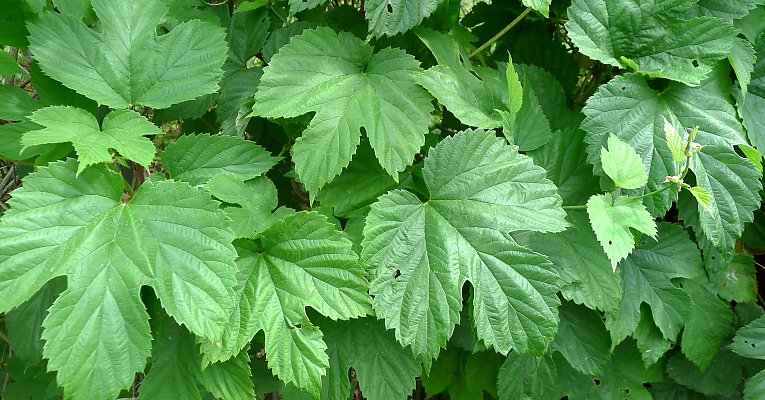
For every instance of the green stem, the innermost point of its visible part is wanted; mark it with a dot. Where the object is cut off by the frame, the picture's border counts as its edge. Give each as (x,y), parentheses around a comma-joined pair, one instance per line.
(501,33)
(4,337)
(651,193)
(273,10)
(579,207)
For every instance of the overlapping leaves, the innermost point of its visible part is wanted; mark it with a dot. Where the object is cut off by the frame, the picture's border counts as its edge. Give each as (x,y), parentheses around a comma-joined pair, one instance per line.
(168,236)
(421,253)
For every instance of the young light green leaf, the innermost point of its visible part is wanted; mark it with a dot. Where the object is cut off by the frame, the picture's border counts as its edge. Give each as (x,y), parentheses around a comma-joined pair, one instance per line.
(474,181)
(622,164)
(122,130)
(650,36)
(733,185)
(108,250)
(612,219)
(126,63)
(702,196)
(348,87)
(710,321)
(514,88)
(676,141)
(632,110)
(389,17)
(279,276)
(543,6)
(197,158)
(383,368)
(647,278)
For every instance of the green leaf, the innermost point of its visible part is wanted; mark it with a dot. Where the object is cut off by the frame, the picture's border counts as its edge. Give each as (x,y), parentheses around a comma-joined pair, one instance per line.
(749,340)
(229,379)
(728,10)
(15,103)
(97,332)
(24,323)
(750,107)
(8,66)
(126,63)
(676,141)
(358,186)
(702,196)
(733,184)
(529,128)
(297,6)
(734,279)
(121,130)
(647,278)
(622,164)
(709,322)
(564,159)
(389,17)
(300,261)
(197,158)
(421,253)
(649,36)
(650,341)
(256,198)
(629,108)
(742,59)
(625,377)
(514,88)
(584,268)
(525,377)
(722,380)
(383,368)
(476,100)
(348,87)
(174,361)
(755,387)
(612,219)
(582,339)
(464,375)
(542,6)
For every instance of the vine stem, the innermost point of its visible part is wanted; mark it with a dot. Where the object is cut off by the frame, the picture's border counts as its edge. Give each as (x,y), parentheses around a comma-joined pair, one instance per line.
(642,196)
(579,207)
(501,33)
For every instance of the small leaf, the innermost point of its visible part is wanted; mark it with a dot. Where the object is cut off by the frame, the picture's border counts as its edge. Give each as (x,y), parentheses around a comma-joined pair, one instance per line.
(750,340)
(622,164)
(702,196)
(675,140)
(514,88)
(389,17)
(122,130)
(611,220)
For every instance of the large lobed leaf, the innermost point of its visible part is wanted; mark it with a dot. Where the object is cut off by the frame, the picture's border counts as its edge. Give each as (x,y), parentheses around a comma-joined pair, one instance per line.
(349,87)
(650,36)
(168,236)
(300,261)
(422,253)
(126,63)
(634,112)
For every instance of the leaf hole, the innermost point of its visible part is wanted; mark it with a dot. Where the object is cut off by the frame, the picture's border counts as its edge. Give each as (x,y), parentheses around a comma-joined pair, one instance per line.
(596,382)
(390,9)
(610,242)
(695,63)
(396,274)
(647,385)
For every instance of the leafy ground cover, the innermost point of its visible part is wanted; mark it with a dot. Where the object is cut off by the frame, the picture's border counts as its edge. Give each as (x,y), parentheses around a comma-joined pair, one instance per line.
(382,199)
